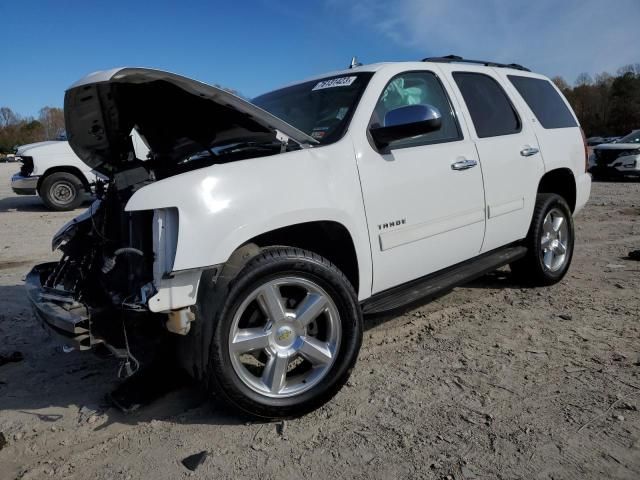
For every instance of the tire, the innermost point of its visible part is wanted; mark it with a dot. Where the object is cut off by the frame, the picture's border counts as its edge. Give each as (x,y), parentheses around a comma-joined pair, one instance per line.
(61,191)
(313,342)
(550,249)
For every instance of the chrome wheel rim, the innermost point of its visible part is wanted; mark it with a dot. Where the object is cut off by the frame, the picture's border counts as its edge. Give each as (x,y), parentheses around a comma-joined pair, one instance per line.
(62,192)
(284,337)
(555,240)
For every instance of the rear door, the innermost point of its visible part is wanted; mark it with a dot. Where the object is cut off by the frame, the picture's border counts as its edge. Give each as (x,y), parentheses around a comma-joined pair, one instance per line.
(508,149)
(553,121)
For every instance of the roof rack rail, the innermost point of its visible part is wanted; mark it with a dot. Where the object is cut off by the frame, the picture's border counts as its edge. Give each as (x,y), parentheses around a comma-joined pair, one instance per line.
(457,59)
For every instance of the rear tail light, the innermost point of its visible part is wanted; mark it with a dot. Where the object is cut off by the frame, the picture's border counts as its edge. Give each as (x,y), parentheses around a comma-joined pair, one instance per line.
(586,151)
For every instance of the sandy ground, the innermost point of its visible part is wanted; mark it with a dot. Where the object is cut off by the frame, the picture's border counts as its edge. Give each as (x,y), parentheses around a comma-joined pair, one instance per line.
(489,381)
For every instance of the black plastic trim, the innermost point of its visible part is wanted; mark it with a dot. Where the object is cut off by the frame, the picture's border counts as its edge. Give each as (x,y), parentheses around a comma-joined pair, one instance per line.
(436,283)
(486,63)
(70,326)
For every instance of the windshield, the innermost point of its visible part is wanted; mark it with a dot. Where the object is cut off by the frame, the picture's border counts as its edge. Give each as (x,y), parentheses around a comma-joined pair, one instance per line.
(319,108)
(633,137)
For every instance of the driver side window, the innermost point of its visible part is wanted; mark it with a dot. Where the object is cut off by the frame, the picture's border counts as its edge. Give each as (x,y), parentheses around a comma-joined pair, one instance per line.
(417,88)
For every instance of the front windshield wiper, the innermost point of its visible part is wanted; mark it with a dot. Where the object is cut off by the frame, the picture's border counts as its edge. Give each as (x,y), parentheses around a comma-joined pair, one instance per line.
(240,147)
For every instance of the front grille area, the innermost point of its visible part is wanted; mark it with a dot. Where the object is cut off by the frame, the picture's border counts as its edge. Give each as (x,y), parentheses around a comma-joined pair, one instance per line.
(27,166)
(605,157)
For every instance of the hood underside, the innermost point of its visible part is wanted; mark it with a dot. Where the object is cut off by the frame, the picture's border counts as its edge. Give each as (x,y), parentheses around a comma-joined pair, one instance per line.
(176,116)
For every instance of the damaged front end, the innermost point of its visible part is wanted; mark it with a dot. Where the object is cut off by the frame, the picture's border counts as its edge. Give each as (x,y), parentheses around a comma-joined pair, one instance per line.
(116,278)
(114,285)
(103,280)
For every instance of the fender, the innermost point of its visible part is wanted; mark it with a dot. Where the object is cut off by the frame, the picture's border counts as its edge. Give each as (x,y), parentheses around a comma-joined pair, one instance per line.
(221,207)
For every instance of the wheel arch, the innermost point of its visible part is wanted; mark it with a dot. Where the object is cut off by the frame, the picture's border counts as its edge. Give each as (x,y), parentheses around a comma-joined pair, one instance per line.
(327,238)
(64,169)
(560,181)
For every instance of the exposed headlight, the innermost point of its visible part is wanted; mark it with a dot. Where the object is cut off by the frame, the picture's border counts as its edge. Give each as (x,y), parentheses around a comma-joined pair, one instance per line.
(165,240)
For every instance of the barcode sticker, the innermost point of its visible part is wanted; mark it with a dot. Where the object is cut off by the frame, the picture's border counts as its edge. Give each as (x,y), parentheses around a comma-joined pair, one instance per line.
(334,82)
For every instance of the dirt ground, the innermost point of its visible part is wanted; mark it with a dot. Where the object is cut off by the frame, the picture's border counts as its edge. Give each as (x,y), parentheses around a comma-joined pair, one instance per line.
(490,381)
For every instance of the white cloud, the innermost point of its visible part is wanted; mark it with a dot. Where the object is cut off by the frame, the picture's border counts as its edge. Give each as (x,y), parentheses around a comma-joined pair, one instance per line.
(553,37)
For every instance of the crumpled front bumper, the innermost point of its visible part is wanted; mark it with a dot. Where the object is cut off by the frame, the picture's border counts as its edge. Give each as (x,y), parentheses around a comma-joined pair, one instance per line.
(58,311)
(24,185)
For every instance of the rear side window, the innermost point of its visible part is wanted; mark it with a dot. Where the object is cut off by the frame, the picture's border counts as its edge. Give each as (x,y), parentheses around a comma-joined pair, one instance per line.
(544,101)
(490,108)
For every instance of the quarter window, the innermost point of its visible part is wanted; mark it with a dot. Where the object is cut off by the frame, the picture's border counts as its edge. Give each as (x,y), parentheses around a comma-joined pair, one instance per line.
(417,88)
(491,110)
(544,101)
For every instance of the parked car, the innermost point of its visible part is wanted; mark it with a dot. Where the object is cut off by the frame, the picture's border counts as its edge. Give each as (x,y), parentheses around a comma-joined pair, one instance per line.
(258,234)
(617,159)
(593,141)
(8,158)
(54,172)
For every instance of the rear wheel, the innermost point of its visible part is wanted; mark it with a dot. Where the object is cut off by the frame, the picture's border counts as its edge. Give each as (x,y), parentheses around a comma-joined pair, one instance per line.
(61,191)
(287,336)
(549,242)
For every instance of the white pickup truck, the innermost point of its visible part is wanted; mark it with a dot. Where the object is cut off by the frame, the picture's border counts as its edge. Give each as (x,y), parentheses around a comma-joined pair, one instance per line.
(259,233)
(52,171)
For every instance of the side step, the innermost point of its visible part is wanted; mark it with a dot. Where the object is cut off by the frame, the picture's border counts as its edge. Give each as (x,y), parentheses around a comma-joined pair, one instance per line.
(436,283)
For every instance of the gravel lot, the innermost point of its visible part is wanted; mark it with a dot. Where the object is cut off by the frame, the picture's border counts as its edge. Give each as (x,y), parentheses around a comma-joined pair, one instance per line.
(490,381)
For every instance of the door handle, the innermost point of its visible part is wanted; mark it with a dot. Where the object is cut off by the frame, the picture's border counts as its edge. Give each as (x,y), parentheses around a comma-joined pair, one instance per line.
(463,164)
(528,151)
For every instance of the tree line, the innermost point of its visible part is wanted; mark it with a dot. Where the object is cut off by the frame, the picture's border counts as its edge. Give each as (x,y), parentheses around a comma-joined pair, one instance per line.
(16,130)
(606,105)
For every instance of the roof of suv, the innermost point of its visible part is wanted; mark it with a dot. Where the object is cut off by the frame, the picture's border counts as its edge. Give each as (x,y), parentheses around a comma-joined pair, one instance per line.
(374,67)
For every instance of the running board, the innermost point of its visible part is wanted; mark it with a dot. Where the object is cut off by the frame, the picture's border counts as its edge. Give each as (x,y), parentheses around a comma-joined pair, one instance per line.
(439,282)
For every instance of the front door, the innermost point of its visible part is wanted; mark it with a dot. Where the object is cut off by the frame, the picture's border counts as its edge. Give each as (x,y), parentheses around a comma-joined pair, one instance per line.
(423,196)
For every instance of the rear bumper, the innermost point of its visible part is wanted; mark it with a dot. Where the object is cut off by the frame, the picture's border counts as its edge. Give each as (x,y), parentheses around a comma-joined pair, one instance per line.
(583,190)
(58,312)
(24,185)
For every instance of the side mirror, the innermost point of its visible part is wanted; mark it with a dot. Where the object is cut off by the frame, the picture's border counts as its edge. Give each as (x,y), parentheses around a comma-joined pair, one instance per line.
(406,122)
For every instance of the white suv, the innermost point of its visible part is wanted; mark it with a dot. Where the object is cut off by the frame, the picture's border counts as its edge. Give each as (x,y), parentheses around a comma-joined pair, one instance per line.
(259,233)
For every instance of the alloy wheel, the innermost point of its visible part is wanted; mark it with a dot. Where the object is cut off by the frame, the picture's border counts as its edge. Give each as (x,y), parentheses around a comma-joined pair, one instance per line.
(554,240)
(285,337)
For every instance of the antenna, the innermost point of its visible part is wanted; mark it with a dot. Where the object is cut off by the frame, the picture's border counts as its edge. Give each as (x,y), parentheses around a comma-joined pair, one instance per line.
(355,63)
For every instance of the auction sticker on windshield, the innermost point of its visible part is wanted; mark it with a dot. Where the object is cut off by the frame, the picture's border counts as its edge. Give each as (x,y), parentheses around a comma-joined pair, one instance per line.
(334,82)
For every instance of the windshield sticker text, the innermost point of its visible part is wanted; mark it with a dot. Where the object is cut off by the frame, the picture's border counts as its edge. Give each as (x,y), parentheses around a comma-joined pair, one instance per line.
(334,82)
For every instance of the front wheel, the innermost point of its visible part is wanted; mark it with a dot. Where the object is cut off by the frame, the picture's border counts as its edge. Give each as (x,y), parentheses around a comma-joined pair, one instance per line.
(549,242)
(61,191)
(288,335)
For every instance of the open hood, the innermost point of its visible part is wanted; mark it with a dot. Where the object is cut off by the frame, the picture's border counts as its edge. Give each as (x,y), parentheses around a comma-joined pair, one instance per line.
(176,116)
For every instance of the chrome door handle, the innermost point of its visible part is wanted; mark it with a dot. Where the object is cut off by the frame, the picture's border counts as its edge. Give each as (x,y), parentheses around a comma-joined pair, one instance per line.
(463,164)
(528,151)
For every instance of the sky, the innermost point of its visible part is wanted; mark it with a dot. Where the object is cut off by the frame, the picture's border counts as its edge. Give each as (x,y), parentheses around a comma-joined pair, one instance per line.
(256,46)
